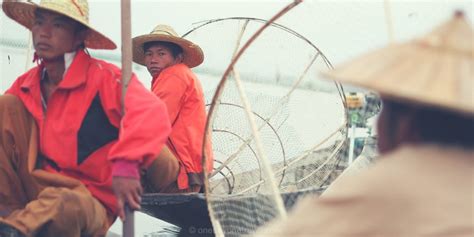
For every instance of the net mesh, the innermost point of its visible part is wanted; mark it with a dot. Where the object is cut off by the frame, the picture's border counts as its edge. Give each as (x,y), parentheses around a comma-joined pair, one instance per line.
(295,119)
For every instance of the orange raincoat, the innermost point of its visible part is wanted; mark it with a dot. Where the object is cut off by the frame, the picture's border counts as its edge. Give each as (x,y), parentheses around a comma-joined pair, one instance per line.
(182,93)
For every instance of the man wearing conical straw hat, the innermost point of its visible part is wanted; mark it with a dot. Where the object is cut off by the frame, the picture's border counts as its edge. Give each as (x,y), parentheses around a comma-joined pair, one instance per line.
(65,146)
(423,183)
(169,58)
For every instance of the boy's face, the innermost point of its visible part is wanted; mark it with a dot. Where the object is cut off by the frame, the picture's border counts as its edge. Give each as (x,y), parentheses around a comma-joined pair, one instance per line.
(54,35)
(159,57)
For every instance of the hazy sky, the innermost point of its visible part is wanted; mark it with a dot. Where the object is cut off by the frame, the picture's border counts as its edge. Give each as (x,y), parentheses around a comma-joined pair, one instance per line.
(340,28)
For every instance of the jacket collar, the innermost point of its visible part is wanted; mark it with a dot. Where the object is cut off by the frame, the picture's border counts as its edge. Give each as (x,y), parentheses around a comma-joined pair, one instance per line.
(74,76)
(170,69)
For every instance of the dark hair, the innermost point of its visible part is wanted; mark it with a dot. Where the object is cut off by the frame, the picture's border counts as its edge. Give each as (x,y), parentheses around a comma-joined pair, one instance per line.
(174,48)
(432,124)
(80,27)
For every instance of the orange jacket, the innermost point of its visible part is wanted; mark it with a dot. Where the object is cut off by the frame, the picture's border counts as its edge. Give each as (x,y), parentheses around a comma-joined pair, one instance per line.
(181,91)
(83,130)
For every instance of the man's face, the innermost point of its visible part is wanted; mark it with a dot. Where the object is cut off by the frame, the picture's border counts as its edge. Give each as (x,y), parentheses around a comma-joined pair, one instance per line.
(159,57)
(54,35)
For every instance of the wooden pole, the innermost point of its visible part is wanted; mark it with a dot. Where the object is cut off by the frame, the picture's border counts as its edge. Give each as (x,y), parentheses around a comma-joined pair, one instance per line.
(126,49)
(388,21)
(128,228)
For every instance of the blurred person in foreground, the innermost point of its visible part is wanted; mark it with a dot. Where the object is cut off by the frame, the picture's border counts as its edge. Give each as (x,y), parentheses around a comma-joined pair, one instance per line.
(169,59)
(422,185)
(69,156)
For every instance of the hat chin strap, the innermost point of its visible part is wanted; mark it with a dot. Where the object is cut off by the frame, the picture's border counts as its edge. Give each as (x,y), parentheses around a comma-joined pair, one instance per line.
(37,59)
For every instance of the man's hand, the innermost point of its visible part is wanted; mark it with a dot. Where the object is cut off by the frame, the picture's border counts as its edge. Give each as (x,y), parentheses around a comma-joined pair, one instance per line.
(127,190)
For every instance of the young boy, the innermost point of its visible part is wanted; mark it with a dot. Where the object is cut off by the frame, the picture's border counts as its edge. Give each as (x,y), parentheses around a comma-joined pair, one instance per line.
(169,58)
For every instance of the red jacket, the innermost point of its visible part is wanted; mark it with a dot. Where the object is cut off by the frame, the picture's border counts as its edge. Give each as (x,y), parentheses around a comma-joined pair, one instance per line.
(83,130)
(182,93)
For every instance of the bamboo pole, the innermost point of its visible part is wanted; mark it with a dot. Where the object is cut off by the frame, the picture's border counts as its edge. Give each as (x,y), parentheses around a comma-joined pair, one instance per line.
(388,21)
(126,48)
(128,229)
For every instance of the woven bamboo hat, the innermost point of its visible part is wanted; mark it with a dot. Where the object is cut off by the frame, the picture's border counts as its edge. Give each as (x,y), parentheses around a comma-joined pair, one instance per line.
(192,53)
(78,10)
(435,70)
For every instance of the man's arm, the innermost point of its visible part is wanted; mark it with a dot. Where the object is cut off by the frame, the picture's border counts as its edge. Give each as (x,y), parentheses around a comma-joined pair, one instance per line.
(144,129)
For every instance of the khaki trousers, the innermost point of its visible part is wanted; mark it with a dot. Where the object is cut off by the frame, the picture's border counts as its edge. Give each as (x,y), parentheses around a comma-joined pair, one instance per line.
(36,202)
(161,176)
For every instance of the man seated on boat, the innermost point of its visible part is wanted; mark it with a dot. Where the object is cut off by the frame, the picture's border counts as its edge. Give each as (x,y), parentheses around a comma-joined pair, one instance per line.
(69,156)
(169,58)
(422,185)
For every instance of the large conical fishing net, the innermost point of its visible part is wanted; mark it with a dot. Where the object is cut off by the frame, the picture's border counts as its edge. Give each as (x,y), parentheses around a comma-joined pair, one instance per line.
(300,121)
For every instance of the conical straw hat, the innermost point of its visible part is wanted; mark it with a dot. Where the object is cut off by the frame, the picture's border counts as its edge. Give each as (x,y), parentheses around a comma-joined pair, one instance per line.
(435,70)
(78,10)
(192,53)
